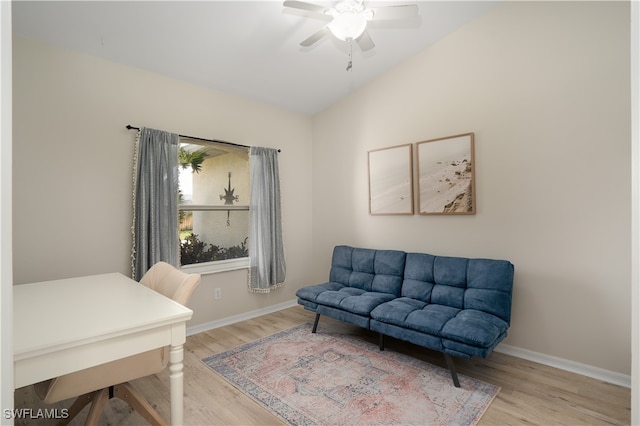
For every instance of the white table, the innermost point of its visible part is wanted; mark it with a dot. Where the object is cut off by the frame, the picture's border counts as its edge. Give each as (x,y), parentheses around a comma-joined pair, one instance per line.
(71,324)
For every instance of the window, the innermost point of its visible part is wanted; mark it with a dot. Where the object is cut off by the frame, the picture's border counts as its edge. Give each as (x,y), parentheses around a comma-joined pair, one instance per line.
(213,206)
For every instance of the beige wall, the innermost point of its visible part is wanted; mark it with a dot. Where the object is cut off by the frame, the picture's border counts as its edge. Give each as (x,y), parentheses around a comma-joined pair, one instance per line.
(72,191)
(545,88)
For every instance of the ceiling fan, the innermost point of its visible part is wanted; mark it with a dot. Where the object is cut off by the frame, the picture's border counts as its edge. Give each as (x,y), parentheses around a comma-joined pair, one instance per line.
(349,19)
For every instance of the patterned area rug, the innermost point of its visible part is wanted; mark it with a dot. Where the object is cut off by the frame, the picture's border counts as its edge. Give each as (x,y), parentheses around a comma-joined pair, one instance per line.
(333,379)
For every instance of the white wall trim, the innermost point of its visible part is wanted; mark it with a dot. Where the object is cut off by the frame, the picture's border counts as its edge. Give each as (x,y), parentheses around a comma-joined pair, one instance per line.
(549,360)
(6,215)
(567,365)
(635,213)
(201,328)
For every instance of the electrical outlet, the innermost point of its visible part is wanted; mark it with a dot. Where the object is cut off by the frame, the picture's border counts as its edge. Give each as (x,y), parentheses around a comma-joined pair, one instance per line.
(217,294)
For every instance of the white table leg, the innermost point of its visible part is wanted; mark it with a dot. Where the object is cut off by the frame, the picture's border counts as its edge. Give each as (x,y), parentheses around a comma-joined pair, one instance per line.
(176,376)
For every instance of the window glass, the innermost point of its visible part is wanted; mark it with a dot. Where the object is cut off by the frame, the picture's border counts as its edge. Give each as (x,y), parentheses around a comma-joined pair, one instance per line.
(214,202)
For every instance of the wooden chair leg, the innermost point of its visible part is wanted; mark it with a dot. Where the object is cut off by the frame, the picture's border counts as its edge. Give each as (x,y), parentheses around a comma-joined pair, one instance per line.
(100,399)
(127,393)
(76,407)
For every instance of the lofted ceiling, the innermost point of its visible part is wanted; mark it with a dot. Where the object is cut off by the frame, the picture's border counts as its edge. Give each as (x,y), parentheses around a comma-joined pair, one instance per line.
(246,48)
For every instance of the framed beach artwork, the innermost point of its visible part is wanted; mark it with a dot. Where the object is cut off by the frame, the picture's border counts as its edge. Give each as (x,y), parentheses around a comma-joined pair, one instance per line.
(446,175)
(391,180)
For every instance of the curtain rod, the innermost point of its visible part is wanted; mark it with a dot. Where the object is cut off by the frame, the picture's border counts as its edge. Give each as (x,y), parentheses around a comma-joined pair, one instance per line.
(130,127)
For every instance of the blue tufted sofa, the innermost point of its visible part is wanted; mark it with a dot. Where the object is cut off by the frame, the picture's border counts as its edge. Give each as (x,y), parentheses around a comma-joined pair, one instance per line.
(458,306)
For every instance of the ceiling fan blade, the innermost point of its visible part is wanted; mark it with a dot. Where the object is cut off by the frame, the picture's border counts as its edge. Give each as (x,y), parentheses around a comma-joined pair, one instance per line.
(304,6)
(394,12)
(315,37)
(365,42)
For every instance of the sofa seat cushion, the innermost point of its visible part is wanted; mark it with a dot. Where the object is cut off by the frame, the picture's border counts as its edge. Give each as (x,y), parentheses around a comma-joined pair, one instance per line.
(471,327)
(475,328)
(310,293)
(415,315)
(353,300)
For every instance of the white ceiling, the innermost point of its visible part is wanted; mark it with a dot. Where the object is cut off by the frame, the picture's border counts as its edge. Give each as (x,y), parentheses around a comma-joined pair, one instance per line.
(247,48)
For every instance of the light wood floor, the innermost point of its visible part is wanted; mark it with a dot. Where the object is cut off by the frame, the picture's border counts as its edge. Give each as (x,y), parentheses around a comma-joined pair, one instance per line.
(531,393)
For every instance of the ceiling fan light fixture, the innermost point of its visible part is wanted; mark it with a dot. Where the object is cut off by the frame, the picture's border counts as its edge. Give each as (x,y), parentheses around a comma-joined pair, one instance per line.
(348,25)
(349,20)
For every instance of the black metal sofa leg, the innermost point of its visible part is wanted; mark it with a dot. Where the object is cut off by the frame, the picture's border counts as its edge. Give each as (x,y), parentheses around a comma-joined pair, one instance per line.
(381,341)
(315,323)
(452,370)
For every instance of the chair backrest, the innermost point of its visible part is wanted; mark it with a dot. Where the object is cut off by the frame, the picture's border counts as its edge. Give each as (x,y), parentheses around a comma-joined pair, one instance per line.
(171,282)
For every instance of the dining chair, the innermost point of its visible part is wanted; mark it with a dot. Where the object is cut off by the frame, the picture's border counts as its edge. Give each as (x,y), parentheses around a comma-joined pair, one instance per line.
(96,385)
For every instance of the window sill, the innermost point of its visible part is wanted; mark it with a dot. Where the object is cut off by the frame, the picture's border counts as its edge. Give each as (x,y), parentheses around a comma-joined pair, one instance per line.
(217,266)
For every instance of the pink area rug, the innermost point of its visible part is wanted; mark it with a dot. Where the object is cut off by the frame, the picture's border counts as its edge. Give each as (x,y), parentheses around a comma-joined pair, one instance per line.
(333,379)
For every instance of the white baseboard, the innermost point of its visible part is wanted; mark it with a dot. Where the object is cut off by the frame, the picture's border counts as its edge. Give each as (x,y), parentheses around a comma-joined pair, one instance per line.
(200,328)
(549,360)
(567,365)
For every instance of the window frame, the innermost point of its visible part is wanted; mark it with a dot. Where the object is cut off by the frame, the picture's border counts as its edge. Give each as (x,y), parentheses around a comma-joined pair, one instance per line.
(217,266)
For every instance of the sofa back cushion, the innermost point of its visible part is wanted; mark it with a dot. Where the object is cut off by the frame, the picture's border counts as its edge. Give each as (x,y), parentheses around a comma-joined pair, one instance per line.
(378,271)
(481,284)
(490,287)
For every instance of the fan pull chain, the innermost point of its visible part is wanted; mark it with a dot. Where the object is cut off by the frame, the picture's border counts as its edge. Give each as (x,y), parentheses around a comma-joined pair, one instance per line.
(350,63)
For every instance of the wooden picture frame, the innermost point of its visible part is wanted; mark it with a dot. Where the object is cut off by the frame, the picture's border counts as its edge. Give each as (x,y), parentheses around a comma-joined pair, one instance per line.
(391,180)
(446,175)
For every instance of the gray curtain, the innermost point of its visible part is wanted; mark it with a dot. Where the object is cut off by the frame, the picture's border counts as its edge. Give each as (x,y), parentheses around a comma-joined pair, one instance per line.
(266,252)
(155,201)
